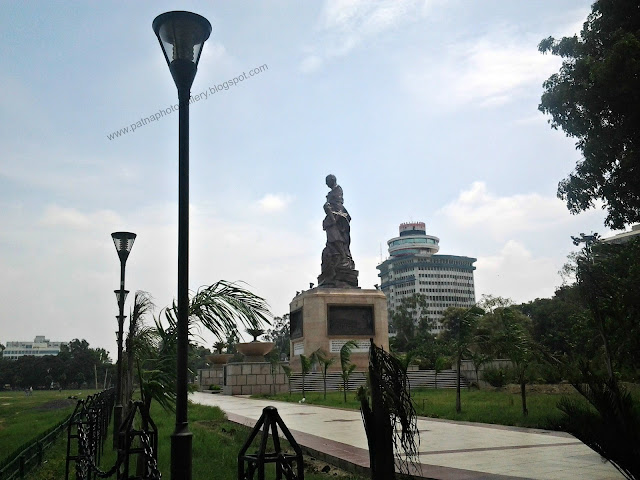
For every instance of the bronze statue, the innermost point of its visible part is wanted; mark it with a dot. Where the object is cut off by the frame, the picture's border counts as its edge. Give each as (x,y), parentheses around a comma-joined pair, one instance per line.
(338,268)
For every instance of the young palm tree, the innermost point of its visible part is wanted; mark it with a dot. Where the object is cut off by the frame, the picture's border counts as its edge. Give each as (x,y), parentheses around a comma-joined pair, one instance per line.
(142,305)
(441,364)
(346,365)
(321,357)
(305,365)
(288,371)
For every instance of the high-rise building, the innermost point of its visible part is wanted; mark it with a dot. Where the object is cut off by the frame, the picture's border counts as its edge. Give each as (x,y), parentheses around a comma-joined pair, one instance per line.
(38,348)
(414,266)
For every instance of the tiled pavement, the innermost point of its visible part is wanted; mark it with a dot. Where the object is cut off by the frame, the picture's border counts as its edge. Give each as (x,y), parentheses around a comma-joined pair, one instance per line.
(448,450)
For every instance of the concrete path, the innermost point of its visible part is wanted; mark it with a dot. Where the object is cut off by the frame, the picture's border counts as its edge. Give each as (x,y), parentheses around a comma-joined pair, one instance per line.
(448,450)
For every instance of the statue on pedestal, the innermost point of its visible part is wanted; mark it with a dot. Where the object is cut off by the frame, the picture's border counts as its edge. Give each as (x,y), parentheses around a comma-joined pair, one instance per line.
(338,268)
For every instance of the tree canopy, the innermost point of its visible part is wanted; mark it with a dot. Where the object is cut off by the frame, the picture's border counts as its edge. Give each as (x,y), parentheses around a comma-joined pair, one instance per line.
(595,98)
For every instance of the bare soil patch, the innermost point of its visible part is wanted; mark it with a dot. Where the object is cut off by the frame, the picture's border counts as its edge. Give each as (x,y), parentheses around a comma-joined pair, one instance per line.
(555,389)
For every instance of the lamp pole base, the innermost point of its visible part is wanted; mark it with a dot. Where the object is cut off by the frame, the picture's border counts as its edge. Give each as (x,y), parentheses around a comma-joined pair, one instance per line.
(181,440)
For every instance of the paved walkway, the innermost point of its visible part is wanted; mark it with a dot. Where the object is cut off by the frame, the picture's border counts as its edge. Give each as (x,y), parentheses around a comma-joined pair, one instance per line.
(448,450)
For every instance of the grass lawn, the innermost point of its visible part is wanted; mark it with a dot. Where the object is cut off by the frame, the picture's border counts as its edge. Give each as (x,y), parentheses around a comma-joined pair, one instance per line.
(216,443)
(23,418)
(501,407)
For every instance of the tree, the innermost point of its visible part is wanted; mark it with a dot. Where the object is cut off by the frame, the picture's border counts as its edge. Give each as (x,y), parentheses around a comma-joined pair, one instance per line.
(441,364)
(142,305)
(411,323)
(459,330)
(507,334)
(346,366)
(607,276)
(305,367)
(322,359)
(279,334)
(220,308)
(288,371)
(595,98)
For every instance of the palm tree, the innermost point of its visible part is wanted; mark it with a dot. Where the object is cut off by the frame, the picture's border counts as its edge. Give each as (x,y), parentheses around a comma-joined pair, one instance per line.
(305,365)
(441,364)
(288,371)
(142,305)
(219,308)
(346,365)
(321,357)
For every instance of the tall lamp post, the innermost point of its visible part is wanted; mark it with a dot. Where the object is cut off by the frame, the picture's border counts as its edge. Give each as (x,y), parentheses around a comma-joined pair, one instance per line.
(123,242)
(182,36)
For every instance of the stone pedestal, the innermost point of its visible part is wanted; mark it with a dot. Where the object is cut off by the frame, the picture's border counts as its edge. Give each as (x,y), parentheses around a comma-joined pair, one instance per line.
(329,317)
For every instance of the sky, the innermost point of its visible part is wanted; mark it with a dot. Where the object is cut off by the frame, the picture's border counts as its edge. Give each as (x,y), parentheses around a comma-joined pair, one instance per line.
(424,111)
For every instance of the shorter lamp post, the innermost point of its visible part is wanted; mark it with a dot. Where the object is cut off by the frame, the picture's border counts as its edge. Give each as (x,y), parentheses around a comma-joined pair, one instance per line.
(182,36)
(123,242)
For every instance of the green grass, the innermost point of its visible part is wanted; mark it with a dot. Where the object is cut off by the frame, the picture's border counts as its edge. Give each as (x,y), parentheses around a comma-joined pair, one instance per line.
(216,443)
(485,406)
(23,418)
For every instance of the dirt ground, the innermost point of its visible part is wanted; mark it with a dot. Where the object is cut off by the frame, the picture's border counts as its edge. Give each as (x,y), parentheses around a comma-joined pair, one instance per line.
(558,388)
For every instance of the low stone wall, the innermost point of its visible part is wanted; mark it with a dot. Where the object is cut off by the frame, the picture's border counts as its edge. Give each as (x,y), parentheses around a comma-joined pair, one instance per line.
(254,378)
(211,376)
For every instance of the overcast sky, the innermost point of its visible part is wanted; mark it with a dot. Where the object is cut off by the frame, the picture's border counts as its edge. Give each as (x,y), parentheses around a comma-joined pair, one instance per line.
(424,110)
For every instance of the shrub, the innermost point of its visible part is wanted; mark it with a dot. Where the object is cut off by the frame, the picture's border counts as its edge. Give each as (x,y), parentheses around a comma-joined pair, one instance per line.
(215,388)
(497,377)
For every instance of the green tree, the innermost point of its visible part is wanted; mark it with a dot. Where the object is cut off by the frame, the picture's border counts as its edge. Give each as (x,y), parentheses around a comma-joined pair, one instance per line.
(288,371)
(346,366)
(279,334)
(440,364)
(507,334)
(607,277)
(411,323)
(305,367)
(595,98)
(325,361)
(459,332)
(142,306)
(220,308)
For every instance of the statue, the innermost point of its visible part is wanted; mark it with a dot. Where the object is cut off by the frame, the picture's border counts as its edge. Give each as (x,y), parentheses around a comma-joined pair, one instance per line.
(338,268)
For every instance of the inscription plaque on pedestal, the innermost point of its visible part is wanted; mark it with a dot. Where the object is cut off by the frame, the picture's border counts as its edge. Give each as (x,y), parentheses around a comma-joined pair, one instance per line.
(350,320)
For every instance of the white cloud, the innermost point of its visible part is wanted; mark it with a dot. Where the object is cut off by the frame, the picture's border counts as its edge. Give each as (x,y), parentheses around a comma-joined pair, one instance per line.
(486,72)
(515,273)
(57,216)
(344,25)
(477,208)
(274,202)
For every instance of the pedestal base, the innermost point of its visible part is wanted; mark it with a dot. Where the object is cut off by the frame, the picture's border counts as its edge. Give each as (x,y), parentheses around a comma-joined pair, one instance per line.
(327,318)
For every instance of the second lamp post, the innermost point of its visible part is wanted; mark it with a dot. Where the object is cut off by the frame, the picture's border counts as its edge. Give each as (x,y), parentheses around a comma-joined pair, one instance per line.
(123,242)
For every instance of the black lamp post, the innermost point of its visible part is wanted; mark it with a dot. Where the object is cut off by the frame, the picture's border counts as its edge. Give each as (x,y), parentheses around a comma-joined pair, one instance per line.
(182,36)
(123,242)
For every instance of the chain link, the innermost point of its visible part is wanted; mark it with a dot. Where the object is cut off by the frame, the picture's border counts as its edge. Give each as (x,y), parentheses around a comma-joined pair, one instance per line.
(151,464)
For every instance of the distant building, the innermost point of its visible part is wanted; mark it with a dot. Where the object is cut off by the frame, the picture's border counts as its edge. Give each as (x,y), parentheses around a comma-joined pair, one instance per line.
(414,267)
(624,236)
(38,348)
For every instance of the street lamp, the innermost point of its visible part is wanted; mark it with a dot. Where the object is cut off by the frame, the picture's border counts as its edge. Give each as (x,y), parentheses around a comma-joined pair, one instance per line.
(123,242)
(182,36)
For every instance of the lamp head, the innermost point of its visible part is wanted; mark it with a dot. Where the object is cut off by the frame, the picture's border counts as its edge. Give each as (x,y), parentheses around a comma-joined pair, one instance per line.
(124,243)
(182,36)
